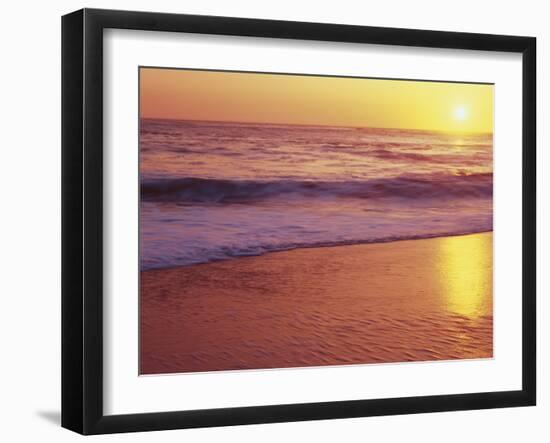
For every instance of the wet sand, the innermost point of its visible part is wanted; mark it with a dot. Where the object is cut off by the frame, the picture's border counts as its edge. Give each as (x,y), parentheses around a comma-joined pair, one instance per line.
(413,300)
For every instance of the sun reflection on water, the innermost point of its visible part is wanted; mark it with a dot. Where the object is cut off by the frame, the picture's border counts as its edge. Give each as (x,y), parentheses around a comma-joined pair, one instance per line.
(465,273)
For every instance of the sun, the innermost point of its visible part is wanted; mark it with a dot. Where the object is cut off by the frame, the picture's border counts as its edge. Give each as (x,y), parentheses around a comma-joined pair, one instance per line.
(460,113)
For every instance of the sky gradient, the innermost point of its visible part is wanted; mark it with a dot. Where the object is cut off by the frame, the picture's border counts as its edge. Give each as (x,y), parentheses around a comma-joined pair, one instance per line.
(294,99)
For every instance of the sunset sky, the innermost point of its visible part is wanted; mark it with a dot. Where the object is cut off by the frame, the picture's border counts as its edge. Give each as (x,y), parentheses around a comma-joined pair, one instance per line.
(293,99)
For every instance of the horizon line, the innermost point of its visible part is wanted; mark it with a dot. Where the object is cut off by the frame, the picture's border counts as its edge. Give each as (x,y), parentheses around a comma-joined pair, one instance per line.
(314,125)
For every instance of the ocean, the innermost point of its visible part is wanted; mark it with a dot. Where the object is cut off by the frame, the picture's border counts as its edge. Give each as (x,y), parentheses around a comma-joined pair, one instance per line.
(215,191)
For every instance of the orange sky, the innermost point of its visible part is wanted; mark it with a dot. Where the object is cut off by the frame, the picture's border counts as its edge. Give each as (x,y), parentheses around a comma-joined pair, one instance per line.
(294,99)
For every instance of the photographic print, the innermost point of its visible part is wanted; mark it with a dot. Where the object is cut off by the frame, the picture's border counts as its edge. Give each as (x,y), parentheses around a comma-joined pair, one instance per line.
(294,221)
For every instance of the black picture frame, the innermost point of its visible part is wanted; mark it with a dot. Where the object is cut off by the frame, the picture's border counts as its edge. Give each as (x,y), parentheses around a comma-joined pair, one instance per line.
(82,221)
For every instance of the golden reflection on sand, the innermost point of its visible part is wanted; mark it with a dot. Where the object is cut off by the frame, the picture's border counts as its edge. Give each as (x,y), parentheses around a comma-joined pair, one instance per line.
(465,274)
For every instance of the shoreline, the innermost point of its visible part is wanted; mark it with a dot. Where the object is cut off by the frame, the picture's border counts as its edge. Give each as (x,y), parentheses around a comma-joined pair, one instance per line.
(320,246)
(412,300)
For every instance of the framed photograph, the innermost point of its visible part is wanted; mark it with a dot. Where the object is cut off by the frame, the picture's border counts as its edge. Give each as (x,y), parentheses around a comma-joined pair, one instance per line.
(268,221)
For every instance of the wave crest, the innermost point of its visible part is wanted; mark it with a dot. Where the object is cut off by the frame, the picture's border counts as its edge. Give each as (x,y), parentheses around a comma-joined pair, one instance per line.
(202,190)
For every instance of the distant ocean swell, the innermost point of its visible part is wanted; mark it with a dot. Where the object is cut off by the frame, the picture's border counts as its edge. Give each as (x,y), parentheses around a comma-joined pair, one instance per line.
(201,190)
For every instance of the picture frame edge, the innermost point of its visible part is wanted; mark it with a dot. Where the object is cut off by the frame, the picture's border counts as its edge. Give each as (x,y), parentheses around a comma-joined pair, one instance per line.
(82,235)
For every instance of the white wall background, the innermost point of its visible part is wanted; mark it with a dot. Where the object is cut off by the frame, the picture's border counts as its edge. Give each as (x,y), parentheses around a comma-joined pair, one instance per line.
(30,218)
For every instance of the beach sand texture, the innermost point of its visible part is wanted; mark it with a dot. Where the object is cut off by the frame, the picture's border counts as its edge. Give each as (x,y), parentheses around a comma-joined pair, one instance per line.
(411,300)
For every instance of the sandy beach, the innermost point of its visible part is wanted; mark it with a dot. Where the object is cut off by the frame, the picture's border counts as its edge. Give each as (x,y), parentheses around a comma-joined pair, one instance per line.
(412,300)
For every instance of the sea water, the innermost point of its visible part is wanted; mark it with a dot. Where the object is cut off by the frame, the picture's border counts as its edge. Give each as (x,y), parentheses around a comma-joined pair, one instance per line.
(215,191)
